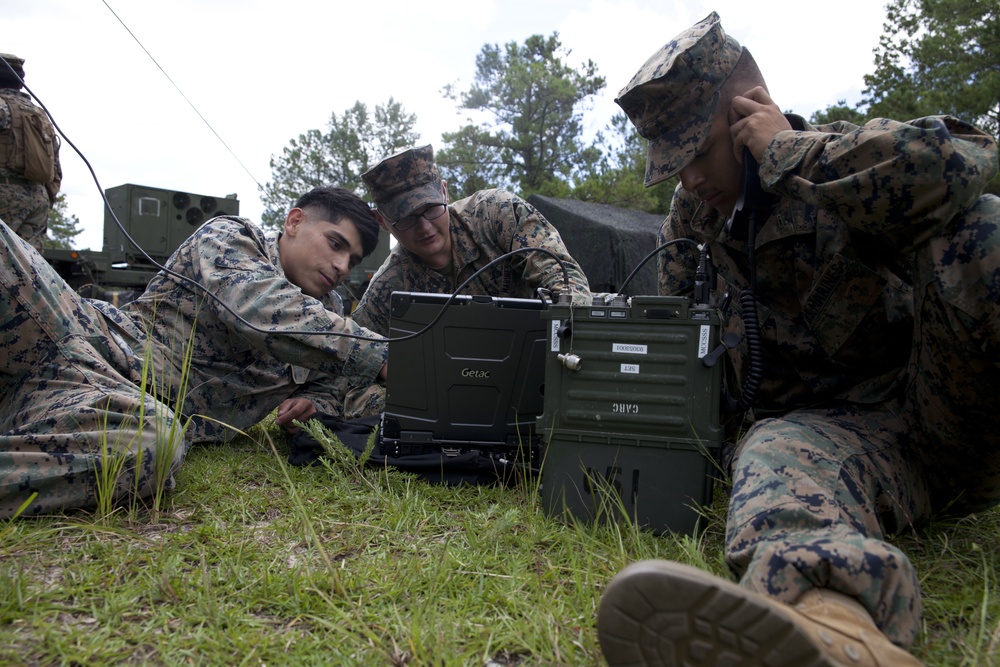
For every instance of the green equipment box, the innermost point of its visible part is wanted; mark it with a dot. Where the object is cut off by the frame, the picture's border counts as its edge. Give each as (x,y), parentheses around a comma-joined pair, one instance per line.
(630,421)
(158,220)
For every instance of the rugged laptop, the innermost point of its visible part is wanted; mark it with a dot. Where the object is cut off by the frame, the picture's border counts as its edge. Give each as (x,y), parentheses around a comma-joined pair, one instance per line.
(465,374)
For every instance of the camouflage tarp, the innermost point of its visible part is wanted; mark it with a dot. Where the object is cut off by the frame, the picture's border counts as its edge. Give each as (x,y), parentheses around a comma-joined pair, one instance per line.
(608,242)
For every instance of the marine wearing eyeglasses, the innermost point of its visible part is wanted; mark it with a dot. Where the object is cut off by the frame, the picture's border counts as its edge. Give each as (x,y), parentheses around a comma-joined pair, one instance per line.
(430,214)
(440,245)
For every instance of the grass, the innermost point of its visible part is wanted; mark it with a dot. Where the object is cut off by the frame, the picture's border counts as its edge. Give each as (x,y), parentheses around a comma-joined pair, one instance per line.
(252,562)
(122,451)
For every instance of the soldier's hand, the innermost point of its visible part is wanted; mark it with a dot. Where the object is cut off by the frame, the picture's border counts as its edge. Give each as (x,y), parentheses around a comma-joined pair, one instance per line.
(754,119)
(291,409)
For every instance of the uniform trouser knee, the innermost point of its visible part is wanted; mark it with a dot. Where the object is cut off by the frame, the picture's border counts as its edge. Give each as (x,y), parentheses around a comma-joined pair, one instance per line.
(814,494)
(112,459)
(77,424)
(76,433)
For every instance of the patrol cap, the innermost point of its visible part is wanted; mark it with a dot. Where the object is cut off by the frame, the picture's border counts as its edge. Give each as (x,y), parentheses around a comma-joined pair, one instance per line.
(672,98)
(404,182)
(16,63)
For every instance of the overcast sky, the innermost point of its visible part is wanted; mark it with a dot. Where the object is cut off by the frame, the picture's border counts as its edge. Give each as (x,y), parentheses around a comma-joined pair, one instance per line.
(261,72)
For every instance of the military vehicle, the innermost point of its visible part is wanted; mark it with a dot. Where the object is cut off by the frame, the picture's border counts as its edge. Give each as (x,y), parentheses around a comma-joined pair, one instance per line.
(158,220)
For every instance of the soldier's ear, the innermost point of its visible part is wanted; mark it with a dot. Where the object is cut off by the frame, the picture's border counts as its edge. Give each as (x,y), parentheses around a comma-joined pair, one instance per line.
(293,220)
(444,190)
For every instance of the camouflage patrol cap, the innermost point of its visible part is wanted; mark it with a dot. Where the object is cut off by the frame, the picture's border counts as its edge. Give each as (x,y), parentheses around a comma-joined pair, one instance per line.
(16,63)
(402,183)
(672,98)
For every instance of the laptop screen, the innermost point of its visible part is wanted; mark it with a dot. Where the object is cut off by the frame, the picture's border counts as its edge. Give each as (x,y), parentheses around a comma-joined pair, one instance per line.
(474,379)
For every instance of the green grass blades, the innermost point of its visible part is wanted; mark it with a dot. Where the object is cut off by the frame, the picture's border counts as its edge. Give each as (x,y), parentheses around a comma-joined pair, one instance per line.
(250,562)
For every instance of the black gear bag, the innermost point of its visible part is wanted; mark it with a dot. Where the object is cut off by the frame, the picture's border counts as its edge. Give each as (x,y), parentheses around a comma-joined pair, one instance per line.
(471,466)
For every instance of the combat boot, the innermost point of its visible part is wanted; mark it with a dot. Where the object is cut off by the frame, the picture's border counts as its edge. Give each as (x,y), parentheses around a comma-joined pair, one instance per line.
(659,613)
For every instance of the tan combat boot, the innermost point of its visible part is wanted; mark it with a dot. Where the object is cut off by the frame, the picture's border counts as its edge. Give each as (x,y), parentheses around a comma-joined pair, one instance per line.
(662,613)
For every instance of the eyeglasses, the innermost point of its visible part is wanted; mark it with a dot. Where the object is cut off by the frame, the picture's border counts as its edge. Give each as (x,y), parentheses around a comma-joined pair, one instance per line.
(428,214)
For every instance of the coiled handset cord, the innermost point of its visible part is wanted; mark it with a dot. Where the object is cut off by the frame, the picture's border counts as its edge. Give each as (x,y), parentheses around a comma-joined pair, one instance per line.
(751,324)
(753,199)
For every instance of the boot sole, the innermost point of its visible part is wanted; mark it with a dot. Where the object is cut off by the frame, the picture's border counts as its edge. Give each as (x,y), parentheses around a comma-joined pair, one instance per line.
(660,613)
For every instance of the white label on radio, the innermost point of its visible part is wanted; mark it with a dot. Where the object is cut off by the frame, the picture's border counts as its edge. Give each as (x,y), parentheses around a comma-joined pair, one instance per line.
(703,334)
(628,348)
(554,336)
(630,368)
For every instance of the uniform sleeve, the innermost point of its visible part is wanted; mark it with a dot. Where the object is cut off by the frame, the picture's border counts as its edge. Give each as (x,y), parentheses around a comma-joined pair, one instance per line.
(274,315)
(899,181)
(322,396)
(527,227)
(327,393)
(676,263)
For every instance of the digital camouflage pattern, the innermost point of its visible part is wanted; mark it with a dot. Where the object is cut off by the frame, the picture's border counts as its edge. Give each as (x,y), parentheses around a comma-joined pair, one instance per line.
(238,375)
(483,227)
(24,204)
(878,289)
(70,390)
(76,364)
(402,183)
(673,96)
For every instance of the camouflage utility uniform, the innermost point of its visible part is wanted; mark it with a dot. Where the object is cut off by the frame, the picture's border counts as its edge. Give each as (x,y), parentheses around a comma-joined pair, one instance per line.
(71,397)
(78,367)
(878,296)
(24,204)
(484,227)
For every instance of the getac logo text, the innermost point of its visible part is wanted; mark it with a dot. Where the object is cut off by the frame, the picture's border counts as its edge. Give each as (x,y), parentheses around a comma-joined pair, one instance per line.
(473,373)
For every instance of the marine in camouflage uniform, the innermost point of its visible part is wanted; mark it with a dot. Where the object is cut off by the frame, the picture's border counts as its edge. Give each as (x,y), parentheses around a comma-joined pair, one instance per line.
(878,294)
(476,231)
(24,203)
(81,372)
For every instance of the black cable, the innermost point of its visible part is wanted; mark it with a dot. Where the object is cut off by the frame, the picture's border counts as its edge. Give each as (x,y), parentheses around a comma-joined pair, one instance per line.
(458,290)
(704,277)
(652,254)
(190,103)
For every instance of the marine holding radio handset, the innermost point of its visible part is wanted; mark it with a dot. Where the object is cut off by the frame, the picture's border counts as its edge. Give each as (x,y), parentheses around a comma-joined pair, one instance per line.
(875,412)
(753,204)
